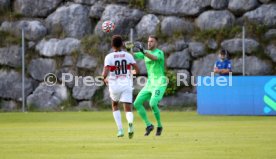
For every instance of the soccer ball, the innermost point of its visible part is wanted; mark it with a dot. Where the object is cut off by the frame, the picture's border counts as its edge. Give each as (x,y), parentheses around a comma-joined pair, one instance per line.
(108,26)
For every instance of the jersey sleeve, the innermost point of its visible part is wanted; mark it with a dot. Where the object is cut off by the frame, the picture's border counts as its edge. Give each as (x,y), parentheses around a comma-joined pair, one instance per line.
(107,61)
(139,55)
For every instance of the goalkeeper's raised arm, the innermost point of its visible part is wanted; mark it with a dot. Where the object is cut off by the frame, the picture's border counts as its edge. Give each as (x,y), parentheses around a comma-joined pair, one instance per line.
(142,52)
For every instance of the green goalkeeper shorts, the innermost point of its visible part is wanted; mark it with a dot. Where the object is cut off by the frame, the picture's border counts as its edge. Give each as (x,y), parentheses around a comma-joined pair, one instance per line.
(151,94)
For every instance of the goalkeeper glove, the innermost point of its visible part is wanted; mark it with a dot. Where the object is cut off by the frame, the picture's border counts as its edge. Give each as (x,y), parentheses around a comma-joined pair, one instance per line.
(129,45)
(140,47)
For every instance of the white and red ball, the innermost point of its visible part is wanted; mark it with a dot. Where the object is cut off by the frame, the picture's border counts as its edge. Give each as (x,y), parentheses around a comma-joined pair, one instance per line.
(108,26)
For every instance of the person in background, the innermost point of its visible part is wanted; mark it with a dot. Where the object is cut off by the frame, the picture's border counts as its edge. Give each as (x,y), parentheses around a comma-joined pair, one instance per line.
(223,66)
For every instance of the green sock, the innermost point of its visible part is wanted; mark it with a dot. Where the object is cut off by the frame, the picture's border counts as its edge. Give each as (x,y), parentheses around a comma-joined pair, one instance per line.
(157,116)
(143,114)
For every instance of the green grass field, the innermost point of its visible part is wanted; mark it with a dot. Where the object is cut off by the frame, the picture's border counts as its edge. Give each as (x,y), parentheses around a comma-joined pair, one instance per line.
(83,135)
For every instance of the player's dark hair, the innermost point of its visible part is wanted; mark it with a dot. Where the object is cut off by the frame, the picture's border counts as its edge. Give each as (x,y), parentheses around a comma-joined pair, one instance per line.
(223,52)
(117,41)
(154,37)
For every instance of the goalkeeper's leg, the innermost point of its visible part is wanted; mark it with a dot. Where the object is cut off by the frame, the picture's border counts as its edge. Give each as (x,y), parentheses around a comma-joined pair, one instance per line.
(143,96)
(157,95)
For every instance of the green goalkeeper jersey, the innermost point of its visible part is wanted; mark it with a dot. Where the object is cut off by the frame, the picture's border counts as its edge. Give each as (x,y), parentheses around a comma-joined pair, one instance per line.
(155,68)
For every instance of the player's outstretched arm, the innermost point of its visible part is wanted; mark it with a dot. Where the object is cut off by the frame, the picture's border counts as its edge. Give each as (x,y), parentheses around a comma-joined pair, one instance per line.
(150,56)
(142,50)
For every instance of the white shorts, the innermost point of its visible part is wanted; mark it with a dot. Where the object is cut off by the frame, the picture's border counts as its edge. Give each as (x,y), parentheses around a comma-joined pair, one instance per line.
(123,95)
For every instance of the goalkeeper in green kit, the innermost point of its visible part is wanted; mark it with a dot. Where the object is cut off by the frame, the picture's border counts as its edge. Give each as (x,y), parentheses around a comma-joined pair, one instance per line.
(156,84)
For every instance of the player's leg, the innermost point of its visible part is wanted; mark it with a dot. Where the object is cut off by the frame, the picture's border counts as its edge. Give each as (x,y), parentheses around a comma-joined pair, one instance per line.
(126,99)
(129,117)
(117,114)
(129,114)
(157,95)
(143,96)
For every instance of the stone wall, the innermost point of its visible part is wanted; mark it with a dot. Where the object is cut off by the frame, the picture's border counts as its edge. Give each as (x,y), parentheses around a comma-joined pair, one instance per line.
(64,36)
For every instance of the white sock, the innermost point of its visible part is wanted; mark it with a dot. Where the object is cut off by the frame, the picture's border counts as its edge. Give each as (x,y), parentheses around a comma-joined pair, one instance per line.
(117,117)
(129,117)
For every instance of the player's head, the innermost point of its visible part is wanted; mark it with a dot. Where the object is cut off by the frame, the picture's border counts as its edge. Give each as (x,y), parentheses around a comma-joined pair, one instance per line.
(117,42)
(152,42)
(223,54)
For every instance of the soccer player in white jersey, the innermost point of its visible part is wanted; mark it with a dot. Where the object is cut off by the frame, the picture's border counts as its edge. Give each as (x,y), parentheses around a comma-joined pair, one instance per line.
(117,74)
